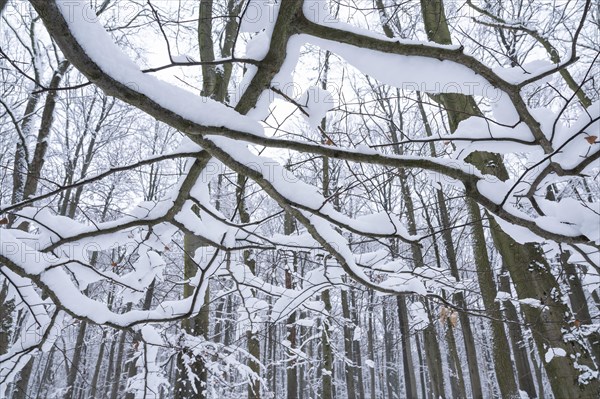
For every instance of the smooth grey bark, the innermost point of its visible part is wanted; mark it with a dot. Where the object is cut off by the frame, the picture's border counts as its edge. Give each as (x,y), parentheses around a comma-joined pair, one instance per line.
(291,267)
(110,368)
(457,381)
(6,319)
(358,363)
(422,368)
(437,30)
(432,350)
(518,345)
(390,379)
(327,391)
(370,345)
(76,360)
(39,154)
(433,357)
(132,369)
(47,375)
(99,359)
(410,383)
(348,347)
(250,262)
(503,365)
(117,377)
(533,278)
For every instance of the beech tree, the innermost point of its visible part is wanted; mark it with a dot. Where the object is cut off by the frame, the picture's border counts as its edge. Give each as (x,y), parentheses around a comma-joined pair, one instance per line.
(327,199)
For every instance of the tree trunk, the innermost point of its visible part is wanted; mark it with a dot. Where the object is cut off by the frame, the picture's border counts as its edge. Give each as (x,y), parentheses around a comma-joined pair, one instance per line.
(371,347)
(408,366)
(132,370)
(357,348)
(291,369)
(96,375)
(74,370)
(348,347)
(117,377)
(6,319)
(109,369)
(390,364)
(195,326)
(502,361)
(421,367)
(251,336)
(47,375)
(524,374)
(433,358)
(456,377)
(327,367)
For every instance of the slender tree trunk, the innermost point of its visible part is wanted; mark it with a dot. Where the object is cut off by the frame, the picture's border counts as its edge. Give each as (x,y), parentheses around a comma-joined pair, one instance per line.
(349,361)
(21,163)
(502,361)
(524,374)
(39,155)
(538,371)
(74,370)
(291,369)
(47,375)
(408,366)
(390,364)
(251,336)
(327,367)
(228,324)
(132,370)
(195,326)
(432,349)
(357,348)
(96,375)
(433,358)
(422,368)
(6,319)
(456,377)
(459,299)
(110,367)
(117,377)
(328,391)
(371,346)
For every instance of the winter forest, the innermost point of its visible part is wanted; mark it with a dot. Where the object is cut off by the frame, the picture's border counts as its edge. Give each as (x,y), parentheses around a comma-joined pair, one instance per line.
(330,199)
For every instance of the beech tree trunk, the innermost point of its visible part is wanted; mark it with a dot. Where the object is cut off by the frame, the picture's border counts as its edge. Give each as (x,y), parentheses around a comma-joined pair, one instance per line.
(348,347)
